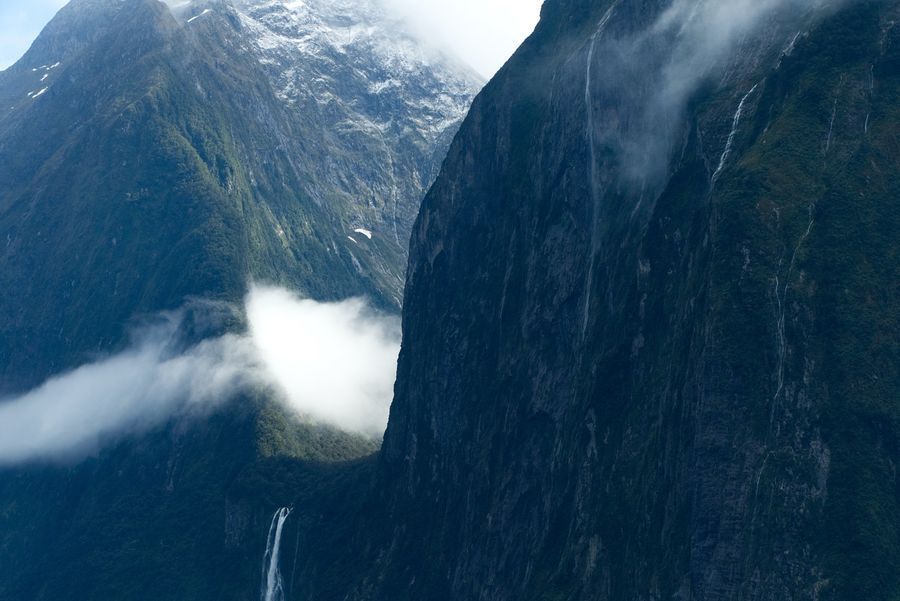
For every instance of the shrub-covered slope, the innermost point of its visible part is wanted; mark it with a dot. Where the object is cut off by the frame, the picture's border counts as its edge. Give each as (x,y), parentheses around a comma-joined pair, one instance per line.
(149,158)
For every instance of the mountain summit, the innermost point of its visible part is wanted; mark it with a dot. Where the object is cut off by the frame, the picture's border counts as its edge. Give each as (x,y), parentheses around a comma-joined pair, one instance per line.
(148,156)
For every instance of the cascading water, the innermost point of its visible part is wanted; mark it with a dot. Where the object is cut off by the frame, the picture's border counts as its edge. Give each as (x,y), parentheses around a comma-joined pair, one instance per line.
(729,145)
(594,175)
(272,584)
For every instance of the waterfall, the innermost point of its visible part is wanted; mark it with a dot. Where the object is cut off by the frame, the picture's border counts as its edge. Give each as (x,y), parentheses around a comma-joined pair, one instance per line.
(781,298)
(831,127)
(272,585)
(594,182)
(734,129)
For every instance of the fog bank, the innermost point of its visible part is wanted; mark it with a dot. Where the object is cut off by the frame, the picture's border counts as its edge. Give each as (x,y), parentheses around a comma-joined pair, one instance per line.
(333,363)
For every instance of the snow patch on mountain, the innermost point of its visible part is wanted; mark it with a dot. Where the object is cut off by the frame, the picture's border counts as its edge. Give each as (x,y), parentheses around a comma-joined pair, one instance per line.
(353,53)
(205,12)
(386,105)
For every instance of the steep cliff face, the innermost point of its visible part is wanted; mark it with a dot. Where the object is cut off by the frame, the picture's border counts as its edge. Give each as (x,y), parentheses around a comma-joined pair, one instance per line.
(650,332)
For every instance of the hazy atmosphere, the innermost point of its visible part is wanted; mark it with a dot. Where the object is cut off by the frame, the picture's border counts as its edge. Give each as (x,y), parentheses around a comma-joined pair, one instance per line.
(334,363)
(483,33)
(294,305)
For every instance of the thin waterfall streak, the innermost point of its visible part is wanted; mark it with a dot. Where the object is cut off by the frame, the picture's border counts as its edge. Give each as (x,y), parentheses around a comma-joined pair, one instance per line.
(273,585)
(793,44)
(759,478)
(690,19)
(831,127)
(729,145)
(269,543)
(593,184)
(395,196)
(780,318)
(594,174)
(781,298)
(267,557)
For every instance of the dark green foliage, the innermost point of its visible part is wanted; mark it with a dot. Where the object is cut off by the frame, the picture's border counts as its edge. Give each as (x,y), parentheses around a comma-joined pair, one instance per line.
(822,196)
(183,514)
(146,175)
(159,168)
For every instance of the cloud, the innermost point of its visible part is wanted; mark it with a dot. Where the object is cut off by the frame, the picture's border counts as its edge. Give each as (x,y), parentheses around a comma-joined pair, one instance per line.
(707,33)
(646,79)
(483,33)
(334,363)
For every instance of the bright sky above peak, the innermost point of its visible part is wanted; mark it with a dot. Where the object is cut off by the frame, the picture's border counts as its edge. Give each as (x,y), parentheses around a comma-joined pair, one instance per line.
(483,33)
(20,22)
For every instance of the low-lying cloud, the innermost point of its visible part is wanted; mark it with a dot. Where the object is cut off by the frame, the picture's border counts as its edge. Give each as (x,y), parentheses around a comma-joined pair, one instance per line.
(646,78)
(707,32)
(334,363)
(483,33)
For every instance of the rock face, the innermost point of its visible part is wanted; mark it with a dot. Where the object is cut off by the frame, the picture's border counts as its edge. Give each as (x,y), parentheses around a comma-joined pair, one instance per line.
(650,327)
(374,92)
(147,157)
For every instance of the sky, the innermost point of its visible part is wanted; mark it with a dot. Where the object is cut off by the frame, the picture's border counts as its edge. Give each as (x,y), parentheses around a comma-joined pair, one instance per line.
(483,33)
(20,22)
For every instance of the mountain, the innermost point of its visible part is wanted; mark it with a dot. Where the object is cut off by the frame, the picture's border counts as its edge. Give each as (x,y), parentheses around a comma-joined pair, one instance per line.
(650,324)
(348,66)
(650,344)
(147,158)
(152,156)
